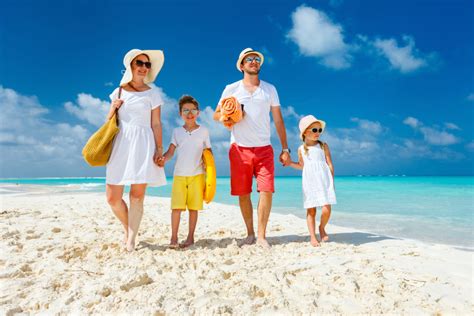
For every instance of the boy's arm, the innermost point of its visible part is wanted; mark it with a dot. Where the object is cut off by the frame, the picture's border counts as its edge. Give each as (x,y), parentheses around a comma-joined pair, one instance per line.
(298,165)
(169,153)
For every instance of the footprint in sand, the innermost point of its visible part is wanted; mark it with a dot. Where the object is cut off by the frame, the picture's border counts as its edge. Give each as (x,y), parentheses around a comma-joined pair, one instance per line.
(143,279)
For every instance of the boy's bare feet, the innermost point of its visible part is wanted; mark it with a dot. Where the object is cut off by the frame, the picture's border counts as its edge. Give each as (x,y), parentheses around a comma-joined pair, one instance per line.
(263,243)
(249,240)
(173,244)
(314,242)
(322,234)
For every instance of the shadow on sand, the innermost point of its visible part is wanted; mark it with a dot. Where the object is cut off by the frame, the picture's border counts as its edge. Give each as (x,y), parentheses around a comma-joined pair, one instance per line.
(354,238)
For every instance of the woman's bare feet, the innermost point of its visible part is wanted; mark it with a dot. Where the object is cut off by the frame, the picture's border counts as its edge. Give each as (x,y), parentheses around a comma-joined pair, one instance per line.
(130,245)
(249,240)
(314,242)
(322,234)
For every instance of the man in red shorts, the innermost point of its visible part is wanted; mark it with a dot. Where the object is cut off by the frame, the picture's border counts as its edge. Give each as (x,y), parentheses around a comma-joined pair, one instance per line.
(251,153)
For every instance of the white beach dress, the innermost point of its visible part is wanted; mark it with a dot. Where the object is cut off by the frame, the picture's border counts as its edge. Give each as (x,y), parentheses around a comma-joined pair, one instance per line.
(131,161)
(318,185)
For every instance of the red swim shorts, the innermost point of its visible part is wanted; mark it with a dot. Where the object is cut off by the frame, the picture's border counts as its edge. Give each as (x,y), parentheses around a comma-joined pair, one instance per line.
(247,162)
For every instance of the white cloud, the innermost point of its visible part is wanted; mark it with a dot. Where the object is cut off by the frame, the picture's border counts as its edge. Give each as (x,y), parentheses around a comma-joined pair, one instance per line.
(30,144)
(369,126)
(470,146)
(89,109)
(451,126)
(403,58)
(411,121)
(433,135)
(470,97)
(317,36)
(290,112)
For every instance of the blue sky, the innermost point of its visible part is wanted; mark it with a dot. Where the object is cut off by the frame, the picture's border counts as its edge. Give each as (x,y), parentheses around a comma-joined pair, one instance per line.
(393,80)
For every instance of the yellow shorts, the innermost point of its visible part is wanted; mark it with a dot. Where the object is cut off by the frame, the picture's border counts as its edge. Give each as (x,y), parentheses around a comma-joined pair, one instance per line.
(188,192)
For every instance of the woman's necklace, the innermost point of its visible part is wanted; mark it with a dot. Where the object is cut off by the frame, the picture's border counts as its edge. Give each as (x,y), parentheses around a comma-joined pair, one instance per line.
(131,86)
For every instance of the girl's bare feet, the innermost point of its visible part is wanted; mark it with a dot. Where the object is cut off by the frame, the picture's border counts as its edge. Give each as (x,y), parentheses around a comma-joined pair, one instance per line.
(130,245)
(323,235)
(314,242)
(263,243)
(187,243)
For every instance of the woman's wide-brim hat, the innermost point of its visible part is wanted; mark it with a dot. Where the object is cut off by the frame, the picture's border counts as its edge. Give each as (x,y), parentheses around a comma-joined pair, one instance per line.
(246,52)
(156,57)
(306,122)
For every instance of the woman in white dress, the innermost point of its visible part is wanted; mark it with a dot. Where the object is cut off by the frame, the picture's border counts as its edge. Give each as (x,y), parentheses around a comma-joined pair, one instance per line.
(314,158)
(138,145)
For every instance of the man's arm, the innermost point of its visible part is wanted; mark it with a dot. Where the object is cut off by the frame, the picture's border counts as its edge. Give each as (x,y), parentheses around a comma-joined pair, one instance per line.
(285,158)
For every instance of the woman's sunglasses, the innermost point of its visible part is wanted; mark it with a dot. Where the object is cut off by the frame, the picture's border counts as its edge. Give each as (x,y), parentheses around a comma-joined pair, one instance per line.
(316,130)
(187,111)
(141,63)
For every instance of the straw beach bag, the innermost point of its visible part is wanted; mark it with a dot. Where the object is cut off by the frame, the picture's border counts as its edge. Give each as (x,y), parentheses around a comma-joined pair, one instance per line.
(98,148)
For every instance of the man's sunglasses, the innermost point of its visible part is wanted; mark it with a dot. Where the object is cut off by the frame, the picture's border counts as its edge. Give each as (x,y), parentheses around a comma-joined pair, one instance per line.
(257,59)
(187,111)
(141,63)
(316,130)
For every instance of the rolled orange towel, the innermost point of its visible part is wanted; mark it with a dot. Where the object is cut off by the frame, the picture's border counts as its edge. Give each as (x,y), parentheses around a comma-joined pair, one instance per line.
(230,109)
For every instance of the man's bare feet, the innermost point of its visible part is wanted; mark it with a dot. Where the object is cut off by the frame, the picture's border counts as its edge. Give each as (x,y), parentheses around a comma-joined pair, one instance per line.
(322,234)
(187,243)
(249,240)
(314,242)
(263,243)
(173,244)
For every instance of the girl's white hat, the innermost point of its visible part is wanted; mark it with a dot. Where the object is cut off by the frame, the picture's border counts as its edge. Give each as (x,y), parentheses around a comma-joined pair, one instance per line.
(157,58)
(306,122)
(246,52)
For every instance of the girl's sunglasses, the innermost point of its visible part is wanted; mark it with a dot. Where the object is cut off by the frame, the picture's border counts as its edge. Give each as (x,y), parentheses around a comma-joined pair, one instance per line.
(316,130)
(187,111)
(141,63)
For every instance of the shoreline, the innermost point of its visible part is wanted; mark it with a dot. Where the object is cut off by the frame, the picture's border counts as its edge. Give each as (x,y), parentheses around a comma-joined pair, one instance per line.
(39,189)
(62,254)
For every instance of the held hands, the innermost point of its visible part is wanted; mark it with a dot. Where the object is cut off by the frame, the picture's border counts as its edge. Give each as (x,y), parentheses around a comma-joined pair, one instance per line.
(159,159)
(285,158)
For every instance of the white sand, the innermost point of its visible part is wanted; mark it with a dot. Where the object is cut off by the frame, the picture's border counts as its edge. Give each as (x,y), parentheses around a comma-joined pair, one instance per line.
(61,253)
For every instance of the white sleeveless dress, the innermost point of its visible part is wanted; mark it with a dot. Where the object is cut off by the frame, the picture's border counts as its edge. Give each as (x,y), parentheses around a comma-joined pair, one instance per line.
(131,161)
(318,186)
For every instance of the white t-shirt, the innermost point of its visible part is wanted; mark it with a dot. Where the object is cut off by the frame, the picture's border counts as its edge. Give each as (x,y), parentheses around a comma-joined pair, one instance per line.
(254,128)
(189,147)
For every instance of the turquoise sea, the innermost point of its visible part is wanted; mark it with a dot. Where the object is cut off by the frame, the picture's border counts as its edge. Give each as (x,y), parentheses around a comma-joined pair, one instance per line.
(430,209)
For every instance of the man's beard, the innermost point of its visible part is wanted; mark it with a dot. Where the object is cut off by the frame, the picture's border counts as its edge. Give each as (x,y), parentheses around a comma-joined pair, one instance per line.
(251,72)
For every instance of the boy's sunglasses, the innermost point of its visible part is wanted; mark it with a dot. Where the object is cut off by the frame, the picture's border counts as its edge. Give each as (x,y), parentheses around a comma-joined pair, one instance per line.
(187,111)
(316,130)
(140,63)
(257,59)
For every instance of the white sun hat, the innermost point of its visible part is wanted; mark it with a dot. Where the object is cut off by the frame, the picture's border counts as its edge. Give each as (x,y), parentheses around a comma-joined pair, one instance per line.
(306,122)
(246,52)
(156,57)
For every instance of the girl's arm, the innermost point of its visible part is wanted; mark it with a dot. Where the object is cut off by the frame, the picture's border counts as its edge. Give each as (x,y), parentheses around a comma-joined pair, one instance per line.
(217,113)
(157,132)
(327,153)
(298,165)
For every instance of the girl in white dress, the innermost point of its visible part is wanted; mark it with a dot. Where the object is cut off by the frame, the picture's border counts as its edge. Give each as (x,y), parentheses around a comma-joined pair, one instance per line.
(138,145)
(314,158)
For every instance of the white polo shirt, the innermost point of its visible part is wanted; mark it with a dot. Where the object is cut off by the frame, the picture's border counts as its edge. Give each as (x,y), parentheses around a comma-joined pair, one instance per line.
(254,129)
(189,147)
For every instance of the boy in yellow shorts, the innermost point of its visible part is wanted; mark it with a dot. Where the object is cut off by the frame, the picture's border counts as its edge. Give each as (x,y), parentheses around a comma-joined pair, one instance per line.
(188,141)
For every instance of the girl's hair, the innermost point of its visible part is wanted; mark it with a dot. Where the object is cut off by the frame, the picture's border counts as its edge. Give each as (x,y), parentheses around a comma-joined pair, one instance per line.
(306,147)
(187,99)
